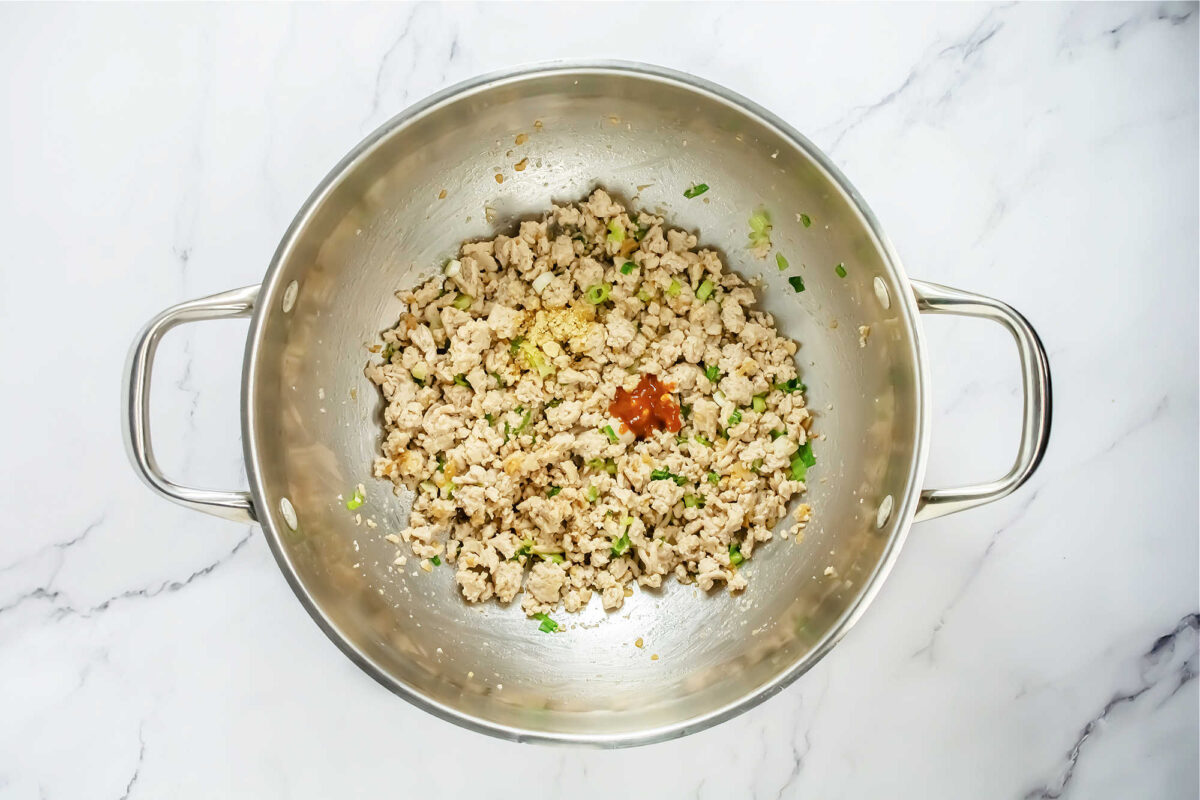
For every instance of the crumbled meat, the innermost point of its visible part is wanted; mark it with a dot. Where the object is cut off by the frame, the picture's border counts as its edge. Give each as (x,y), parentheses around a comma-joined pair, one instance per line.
(496,413)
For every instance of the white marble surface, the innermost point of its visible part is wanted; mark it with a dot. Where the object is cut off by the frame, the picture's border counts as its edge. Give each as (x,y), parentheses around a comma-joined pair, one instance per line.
(1042,647)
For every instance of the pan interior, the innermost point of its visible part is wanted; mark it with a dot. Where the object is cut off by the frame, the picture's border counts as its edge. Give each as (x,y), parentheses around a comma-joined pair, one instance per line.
(392,214)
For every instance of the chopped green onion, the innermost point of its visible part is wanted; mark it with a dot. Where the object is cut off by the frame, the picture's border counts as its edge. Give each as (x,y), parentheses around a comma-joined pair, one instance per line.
(638,232)
(735,554)
(693,501)
(756,465)
(592,494)
(548,625)
(461,380)
(436,561)
(616,232)
(759,403)
(611,434)
(802,459)
(760,228)
(603,464)
(712,373)
(441,462)
(507,431)
(356,500)
(643,295)
(515,347)
(420,372)
(553,490)
(695,191)
(490,419)
(797,283)
(685,410)
(557,558)
(500,382)
(776,434)
(840,269)
(597,294)
(463,302)
(535,359)
(714,478)
(667,475)
(627,267)
(793,385)
(735,417)
(805,220)
(524,421)
(622,544)
(555,403)
(525,549)
(705,290)
(702,440)
(781,261)
(681,439)
(387,352)
(673,289)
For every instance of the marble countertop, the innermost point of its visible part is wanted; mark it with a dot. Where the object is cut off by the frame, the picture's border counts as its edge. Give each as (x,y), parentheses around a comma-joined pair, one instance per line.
(1044,646)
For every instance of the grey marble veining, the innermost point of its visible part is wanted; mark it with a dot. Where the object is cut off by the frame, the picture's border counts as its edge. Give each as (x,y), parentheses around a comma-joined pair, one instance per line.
(1041,647)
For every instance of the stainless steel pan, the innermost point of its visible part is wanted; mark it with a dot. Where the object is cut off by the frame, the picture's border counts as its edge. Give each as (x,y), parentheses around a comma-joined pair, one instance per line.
(376,224)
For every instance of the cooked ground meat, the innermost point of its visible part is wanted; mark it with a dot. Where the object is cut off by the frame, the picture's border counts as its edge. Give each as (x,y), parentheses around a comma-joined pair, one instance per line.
(498,381)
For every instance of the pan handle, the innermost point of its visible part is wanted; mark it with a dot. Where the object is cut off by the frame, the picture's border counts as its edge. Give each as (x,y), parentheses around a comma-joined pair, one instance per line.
(236,506)
(1035,418)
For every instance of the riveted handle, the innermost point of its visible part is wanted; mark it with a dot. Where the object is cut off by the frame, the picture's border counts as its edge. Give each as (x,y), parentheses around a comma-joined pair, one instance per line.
(1035,417)
(237,506)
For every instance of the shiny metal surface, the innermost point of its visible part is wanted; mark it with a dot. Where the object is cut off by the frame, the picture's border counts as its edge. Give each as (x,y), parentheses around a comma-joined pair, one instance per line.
(1035,416)
(380,222)
(235,506)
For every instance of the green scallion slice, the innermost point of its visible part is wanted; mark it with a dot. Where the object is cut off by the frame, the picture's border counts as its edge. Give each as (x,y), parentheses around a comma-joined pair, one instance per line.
(735,417)
(628,267)
(616,232)
(759,403)
(735,554)
(781,261)
(356,500)
(553,490)
(463,302)
(548,625)
(712,373)
(705,290)
(695,191)
(797,283)
(840,269)
(597,294)
(806,220)
(436,561)
(714,478)
(611,434)
(673,289)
